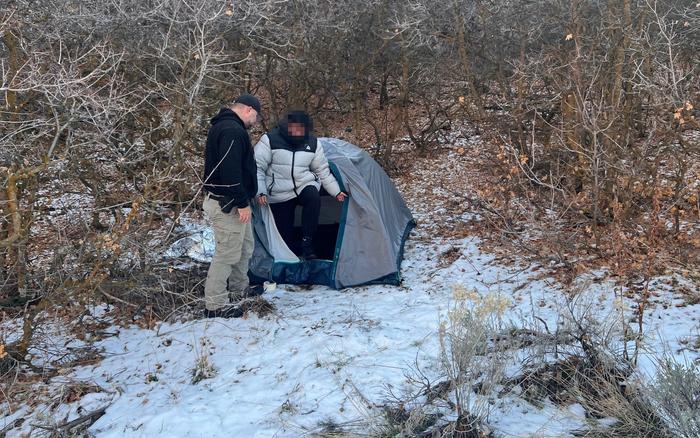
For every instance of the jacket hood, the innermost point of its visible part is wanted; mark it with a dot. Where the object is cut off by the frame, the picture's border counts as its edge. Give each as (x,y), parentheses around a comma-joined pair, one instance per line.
(226,114)
(296,117)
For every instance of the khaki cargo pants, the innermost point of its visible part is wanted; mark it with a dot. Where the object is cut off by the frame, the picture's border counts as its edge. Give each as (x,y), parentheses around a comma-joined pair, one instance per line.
(234,247)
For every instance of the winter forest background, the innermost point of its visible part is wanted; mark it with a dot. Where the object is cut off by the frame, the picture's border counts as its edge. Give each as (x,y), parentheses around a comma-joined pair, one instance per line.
(586,113)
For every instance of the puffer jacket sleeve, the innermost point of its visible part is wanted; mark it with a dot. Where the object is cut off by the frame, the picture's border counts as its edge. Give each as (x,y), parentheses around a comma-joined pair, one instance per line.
(319,166)
(263,159)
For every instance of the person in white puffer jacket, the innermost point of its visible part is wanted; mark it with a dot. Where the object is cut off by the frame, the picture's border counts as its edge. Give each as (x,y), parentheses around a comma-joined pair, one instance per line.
(291,170)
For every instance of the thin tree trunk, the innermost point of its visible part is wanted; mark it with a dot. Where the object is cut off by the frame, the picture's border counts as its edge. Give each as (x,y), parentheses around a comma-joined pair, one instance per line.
(466,66)
(15,260)
(10,41)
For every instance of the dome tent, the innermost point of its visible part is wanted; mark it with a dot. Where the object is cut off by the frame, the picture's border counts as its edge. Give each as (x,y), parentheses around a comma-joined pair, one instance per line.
(359,241)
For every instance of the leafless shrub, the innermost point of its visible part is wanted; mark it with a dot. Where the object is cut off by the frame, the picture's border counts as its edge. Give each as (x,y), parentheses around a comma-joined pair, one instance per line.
(202,368)
(675,396)
(597,140)
(591,368)
(473,370)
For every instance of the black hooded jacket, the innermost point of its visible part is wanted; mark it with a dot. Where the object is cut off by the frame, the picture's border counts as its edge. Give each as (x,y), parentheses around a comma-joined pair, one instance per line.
(229,163)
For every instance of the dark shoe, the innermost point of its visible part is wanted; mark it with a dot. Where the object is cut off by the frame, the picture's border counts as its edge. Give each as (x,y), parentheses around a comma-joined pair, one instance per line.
(253,290)
(224,312)
(307,249)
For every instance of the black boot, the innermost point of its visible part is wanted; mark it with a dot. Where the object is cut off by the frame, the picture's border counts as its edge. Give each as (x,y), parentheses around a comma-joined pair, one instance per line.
(307,249)
(253,290)
(231,311)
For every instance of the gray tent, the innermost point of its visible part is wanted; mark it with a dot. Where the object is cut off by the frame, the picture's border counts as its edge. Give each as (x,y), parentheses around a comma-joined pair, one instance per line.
(360,241)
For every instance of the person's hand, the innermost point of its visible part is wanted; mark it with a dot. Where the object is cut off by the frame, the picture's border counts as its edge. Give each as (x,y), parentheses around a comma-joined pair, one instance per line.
(340,197)
(244,214)
(262,199)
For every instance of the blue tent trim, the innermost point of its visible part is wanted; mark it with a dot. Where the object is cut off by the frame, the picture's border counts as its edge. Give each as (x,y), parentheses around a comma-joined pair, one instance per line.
(343,220)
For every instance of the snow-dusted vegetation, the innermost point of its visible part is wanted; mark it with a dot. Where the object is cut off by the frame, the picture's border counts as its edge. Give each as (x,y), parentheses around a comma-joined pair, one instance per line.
(548,151)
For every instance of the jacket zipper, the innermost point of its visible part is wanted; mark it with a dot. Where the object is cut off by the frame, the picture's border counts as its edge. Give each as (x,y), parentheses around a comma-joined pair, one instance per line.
(272,184)
(294,183)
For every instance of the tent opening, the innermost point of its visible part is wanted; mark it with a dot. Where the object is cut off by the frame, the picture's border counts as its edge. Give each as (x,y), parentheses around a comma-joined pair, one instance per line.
(359,241)
(328,226)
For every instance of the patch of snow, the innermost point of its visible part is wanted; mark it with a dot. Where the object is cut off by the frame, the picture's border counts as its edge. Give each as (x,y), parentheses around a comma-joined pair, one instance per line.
(198,246)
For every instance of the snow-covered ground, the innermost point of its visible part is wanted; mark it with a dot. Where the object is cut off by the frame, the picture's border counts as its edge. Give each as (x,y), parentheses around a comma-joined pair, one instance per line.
(332,357)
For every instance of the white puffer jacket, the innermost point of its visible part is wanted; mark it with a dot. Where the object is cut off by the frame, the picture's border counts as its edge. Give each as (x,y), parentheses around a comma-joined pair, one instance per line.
(284,171)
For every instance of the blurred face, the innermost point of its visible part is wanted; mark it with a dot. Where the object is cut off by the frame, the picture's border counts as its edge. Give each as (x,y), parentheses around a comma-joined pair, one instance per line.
(296,129)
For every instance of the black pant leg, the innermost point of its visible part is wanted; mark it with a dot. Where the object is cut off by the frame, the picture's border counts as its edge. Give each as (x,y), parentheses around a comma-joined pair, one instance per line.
(310,200)
(283,212)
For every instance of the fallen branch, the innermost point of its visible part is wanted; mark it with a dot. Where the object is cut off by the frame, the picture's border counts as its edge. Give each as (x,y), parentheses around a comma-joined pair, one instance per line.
(89,418)
(113,298)
(11,425)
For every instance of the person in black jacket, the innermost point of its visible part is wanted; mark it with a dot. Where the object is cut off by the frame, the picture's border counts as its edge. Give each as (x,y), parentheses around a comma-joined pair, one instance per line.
(230,183)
